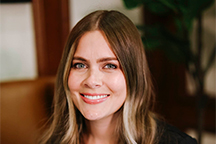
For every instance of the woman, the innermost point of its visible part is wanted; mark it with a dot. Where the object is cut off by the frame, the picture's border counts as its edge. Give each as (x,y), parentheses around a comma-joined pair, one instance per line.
(103,91)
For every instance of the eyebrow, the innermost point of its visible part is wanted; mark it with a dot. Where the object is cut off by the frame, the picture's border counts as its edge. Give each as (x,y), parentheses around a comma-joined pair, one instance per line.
(99,60)
(79,58)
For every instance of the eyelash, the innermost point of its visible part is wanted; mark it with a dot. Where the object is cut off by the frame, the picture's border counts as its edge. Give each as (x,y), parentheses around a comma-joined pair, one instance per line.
(111,66)
(106,66)
(78,64)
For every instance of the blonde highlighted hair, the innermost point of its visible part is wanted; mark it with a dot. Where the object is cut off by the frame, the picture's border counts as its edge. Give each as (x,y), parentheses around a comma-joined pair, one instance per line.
(136,123)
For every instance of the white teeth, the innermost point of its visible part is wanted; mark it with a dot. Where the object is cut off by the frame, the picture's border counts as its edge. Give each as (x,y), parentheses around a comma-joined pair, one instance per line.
(95,97)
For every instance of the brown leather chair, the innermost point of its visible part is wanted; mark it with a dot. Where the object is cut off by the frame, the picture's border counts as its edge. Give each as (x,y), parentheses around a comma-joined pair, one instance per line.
(25,106)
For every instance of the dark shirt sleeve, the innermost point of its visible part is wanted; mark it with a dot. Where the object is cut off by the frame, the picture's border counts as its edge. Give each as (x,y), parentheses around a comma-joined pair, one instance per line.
(188,140)
(172,135)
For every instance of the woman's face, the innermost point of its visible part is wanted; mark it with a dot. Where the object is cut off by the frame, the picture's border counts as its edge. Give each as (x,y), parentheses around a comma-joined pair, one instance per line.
(96,81)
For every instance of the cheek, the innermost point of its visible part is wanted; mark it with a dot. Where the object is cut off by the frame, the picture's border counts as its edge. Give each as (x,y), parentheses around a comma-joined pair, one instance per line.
(73,82)
(74,86)
(117,83)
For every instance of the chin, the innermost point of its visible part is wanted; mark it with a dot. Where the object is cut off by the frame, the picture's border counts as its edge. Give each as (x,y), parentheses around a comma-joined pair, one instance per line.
(92,115)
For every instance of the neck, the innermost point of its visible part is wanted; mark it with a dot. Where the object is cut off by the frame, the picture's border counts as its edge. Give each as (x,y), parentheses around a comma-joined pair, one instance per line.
(103,130)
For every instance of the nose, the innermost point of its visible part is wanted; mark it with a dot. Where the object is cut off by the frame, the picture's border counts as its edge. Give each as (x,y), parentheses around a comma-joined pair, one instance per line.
(93,79)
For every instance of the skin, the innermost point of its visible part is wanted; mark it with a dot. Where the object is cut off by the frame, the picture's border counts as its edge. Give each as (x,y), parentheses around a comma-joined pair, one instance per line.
(96,71)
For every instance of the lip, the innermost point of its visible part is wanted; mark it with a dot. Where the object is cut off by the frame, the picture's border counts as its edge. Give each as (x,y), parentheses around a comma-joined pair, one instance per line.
(93,101)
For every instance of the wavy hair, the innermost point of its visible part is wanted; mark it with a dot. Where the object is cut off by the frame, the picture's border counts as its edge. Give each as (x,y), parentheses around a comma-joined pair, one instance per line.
(136,123)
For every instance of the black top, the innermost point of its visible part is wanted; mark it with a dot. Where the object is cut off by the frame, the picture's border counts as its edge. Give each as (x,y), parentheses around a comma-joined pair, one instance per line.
(172,135)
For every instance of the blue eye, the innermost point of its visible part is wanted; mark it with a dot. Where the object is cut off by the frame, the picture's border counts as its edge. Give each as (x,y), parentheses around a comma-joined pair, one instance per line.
(79,66)
(110,66)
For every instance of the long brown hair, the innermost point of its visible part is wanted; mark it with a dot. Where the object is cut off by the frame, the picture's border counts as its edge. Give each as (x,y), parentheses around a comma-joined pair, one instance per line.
(136,122)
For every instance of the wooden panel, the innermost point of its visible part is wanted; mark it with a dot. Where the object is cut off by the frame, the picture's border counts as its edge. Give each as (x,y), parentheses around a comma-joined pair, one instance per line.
(51,19)
(25,106)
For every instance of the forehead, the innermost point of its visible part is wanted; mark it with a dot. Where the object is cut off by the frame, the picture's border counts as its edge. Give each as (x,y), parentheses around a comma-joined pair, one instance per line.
(93,44)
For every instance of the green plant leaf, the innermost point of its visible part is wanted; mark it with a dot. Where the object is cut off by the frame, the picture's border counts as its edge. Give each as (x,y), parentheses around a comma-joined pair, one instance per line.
(176,45)
(180,29)
(170,4)
(190,9)
(175,53)
(151,44)
(157,7)
(149,37)
(196,7)
(132,3)
(176,48)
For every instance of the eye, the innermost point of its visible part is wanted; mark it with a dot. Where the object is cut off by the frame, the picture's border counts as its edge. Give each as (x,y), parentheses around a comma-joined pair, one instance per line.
(79,66)
(110,66)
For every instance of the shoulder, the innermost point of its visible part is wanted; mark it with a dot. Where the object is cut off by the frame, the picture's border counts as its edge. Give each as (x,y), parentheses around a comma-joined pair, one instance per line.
(171,135)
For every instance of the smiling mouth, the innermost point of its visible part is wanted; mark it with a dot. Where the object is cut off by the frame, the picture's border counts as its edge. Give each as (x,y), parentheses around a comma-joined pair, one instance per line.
(94,98)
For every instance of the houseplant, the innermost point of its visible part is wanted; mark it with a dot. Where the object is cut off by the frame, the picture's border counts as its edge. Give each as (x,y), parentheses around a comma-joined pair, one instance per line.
(176,42)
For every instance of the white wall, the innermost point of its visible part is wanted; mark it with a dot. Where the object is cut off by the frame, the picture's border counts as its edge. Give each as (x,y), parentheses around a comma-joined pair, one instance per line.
(80,8)
(17,43)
